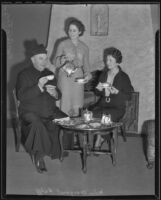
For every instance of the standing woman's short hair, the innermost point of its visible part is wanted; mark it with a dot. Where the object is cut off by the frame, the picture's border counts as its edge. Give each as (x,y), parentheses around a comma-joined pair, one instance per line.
(114,52)
(76,22)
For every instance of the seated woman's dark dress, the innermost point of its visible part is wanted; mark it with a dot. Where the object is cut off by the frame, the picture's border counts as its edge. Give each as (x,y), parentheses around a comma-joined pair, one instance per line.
(115,103)
(37,110)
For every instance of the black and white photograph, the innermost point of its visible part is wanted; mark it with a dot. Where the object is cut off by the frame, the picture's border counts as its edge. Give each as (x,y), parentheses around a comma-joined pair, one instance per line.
(80,100)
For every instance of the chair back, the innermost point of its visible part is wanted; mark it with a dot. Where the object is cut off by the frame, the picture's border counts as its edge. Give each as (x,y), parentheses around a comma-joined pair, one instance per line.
(16,102)
(17,121)
(130,118)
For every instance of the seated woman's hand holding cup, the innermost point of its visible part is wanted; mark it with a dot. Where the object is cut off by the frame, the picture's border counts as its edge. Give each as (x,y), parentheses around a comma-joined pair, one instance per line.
(107,92)
(99,86)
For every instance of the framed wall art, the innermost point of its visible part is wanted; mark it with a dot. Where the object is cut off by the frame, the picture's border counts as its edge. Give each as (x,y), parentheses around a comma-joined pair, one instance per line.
(99,20)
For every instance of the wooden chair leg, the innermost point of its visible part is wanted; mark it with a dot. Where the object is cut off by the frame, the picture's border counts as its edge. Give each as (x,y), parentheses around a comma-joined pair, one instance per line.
(18,139)
(123,132)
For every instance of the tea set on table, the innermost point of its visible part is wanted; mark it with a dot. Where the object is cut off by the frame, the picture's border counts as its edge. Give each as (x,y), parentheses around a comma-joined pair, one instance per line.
(105,120)
(88,116)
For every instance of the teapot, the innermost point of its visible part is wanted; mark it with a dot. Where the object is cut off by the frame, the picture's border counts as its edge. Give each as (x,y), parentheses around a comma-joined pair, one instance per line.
(87,115)
(69,68)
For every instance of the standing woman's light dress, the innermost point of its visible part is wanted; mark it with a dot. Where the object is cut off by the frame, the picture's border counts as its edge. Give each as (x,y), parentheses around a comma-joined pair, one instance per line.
(72,92)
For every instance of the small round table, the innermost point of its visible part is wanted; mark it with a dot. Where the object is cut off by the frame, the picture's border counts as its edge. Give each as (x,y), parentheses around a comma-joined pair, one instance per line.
(86,131)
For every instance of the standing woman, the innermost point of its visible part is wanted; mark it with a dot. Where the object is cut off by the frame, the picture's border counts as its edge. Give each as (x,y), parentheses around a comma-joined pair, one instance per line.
(72,53)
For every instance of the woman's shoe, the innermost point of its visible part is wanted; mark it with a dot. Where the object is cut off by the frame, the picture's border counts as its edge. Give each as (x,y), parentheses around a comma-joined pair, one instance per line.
(38,167)
(95,150)
(99,143)
(39,163)
(42,164)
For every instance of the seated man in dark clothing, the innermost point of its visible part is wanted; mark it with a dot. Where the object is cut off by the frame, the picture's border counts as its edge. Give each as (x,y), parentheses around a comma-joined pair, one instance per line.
(37,92)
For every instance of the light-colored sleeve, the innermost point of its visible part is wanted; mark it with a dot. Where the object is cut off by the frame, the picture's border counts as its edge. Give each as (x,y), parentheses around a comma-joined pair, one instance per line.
(59,53)
(86,65)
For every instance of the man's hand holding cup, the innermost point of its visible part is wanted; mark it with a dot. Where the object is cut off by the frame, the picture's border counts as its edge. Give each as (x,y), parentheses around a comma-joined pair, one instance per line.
(51,89)
(42,82)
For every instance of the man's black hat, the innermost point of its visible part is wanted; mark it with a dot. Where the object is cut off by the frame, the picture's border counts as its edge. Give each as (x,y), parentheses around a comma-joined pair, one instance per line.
(38,49)
(33,48)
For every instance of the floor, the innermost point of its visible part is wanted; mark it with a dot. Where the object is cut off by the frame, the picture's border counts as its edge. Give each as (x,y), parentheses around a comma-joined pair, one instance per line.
(130,176)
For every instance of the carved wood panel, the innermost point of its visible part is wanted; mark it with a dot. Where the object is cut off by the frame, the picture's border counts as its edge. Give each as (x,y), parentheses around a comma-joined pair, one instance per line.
(131,115)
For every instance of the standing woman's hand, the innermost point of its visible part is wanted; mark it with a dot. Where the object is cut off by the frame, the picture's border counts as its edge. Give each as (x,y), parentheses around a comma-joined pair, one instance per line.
(63,59)
(87,78)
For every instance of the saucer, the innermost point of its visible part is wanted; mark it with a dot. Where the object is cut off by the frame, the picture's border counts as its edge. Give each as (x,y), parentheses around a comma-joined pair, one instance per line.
(106,85)
(80,80)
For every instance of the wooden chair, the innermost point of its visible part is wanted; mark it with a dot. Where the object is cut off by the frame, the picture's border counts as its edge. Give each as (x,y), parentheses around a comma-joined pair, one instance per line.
(130,118)
(17,122)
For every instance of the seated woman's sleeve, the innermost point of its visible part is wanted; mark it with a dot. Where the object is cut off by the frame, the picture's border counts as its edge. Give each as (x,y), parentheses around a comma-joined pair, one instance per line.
(25,90)
(125,88)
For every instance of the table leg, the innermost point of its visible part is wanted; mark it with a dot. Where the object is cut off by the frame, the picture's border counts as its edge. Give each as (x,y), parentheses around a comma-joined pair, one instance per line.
(61,144)
(123,132)
(84,153)
(114,141)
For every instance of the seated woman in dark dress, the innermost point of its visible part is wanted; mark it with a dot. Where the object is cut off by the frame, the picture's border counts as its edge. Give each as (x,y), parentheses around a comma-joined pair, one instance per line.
(115,92)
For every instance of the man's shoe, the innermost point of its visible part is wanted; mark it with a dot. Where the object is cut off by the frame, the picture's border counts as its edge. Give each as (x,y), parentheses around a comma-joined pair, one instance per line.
(42,165)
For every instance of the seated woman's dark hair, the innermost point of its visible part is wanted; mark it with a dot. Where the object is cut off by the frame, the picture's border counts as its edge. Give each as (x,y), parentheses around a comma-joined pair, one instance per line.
(116,53)
(76,22)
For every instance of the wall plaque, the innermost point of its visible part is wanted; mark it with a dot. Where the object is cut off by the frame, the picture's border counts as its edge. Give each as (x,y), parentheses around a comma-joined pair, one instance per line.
(99,20)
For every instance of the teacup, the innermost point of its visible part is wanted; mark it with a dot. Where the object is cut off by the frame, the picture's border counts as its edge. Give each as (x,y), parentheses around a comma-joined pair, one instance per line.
(50,77)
